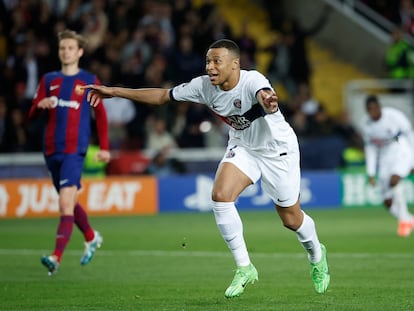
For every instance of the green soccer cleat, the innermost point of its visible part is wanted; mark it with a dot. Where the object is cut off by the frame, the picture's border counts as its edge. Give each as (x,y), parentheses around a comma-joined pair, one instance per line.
(51,264)
(90,248)
(320,273)
(244,276)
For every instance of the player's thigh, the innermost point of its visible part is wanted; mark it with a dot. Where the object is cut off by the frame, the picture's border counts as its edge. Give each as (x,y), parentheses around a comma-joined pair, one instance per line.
(399,165)
(71,170)
(281,178)
(237,170)
(54,163)
(396,161)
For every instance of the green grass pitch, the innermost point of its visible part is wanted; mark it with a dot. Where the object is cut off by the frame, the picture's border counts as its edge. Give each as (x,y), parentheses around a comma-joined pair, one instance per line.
(179,262)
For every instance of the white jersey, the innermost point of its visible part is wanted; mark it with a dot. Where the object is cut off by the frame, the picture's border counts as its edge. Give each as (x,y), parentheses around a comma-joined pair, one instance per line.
(250,126)
(388,144)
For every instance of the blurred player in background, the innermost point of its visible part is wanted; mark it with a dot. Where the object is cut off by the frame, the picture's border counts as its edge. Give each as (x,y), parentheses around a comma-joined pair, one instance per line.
(66,138)
(261,145)
(389,143)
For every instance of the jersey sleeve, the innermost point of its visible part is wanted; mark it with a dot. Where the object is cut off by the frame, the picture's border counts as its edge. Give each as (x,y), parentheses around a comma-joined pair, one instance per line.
(101,123)
(258,82)
(39,95)
(190,91)
(370,159)
(370,151)
(406,127)
(402,121)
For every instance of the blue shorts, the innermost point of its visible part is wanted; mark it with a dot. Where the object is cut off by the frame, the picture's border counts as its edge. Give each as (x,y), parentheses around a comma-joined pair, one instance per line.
(66,169)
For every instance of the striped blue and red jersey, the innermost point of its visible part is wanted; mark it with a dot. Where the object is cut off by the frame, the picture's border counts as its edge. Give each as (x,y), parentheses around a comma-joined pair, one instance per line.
(68,126)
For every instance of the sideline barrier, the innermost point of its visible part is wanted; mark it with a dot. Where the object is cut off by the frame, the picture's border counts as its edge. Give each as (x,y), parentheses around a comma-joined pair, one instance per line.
(356,192)
(147,195)
(193,193)
(110,196)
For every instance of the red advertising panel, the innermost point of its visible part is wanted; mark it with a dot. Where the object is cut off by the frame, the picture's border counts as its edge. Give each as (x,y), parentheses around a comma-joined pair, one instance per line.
(109,196)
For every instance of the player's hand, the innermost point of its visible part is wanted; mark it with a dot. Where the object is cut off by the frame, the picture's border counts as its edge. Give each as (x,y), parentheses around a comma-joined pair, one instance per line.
(48,103)
(269,100)
(372,181)
(97,92)
(103,156)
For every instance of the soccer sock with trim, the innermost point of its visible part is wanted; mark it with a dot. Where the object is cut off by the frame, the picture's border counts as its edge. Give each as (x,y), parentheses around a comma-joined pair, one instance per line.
(64,232)
(231,228)
(308,237)
(82,222)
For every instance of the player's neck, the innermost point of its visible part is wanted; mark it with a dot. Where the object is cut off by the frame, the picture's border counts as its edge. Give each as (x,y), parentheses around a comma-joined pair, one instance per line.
(231,82)
(70,70)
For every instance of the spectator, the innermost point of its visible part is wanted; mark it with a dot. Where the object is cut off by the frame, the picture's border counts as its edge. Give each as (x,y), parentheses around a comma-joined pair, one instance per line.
(405,17)
(217,133)
(400,57)
(294,37)
(157,22)
(186,62)
(120,113)
(136,53)
(16,132)
(248,48)
(162,164)
(3,124)
(58,8)
(192,136)
(320,124)
(279,66)
(95,24)
(157,135)
(178,119)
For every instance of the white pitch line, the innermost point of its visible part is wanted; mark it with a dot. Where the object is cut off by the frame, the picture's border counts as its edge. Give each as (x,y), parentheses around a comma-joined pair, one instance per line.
(187,253)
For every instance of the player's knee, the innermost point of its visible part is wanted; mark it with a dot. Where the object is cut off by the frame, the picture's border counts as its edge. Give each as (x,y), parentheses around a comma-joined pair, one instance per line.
(66,207)
(388,203)
(291,222)
(221,196)
(292,225)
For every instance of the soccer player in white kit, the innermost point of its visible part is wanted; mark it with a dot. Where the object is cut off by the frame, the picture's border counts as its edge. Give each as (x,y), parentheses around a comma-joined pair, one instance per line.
(389,143)
(261,145)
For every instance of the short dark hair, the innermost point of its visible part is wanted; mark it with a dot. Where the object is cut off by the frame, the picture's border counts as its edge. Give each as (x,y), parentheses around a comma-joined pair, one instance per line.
(227,44)
(371,99)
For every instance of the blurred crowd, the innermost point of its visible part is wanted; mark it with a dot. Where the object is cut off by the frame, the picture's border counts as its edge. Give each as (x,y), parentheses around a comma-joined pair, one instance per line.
(399,12)
(130,43)
(147,43)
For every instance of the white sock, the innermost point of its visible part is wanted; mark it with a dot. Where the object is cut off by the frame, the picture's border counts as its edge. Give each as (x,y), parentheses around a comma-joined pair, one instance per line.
(308,237)
(231,228)
(399,208)
(395,209)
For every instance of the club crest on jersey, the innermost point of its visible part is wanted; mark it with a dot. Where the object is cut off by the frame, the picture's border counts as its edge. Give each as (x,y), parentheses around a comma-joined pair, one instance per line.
(231,153)
(78,89)
(237,103)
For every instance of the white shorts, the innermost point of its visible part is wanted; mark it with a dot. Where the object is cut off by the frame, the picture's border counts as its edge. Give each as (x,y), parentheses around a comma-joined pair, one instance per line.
(278,169)
(397,159)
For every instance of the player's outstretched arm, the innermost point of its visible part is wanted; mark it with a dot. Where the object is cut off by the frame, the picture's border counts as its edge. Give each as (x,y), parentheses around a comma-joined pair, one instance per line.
(151,96)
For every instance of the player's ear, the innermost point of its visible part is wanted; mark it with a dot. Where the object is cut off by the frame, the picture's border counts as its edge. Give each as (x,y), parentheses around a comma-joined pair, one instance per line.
(80,52)
(236,63)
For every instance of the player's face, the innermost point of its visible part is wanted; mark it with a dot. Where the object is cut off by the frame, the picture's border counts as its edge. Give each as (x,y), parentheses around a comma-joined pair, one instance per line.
(374,111)
(222,67)
(69,52)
